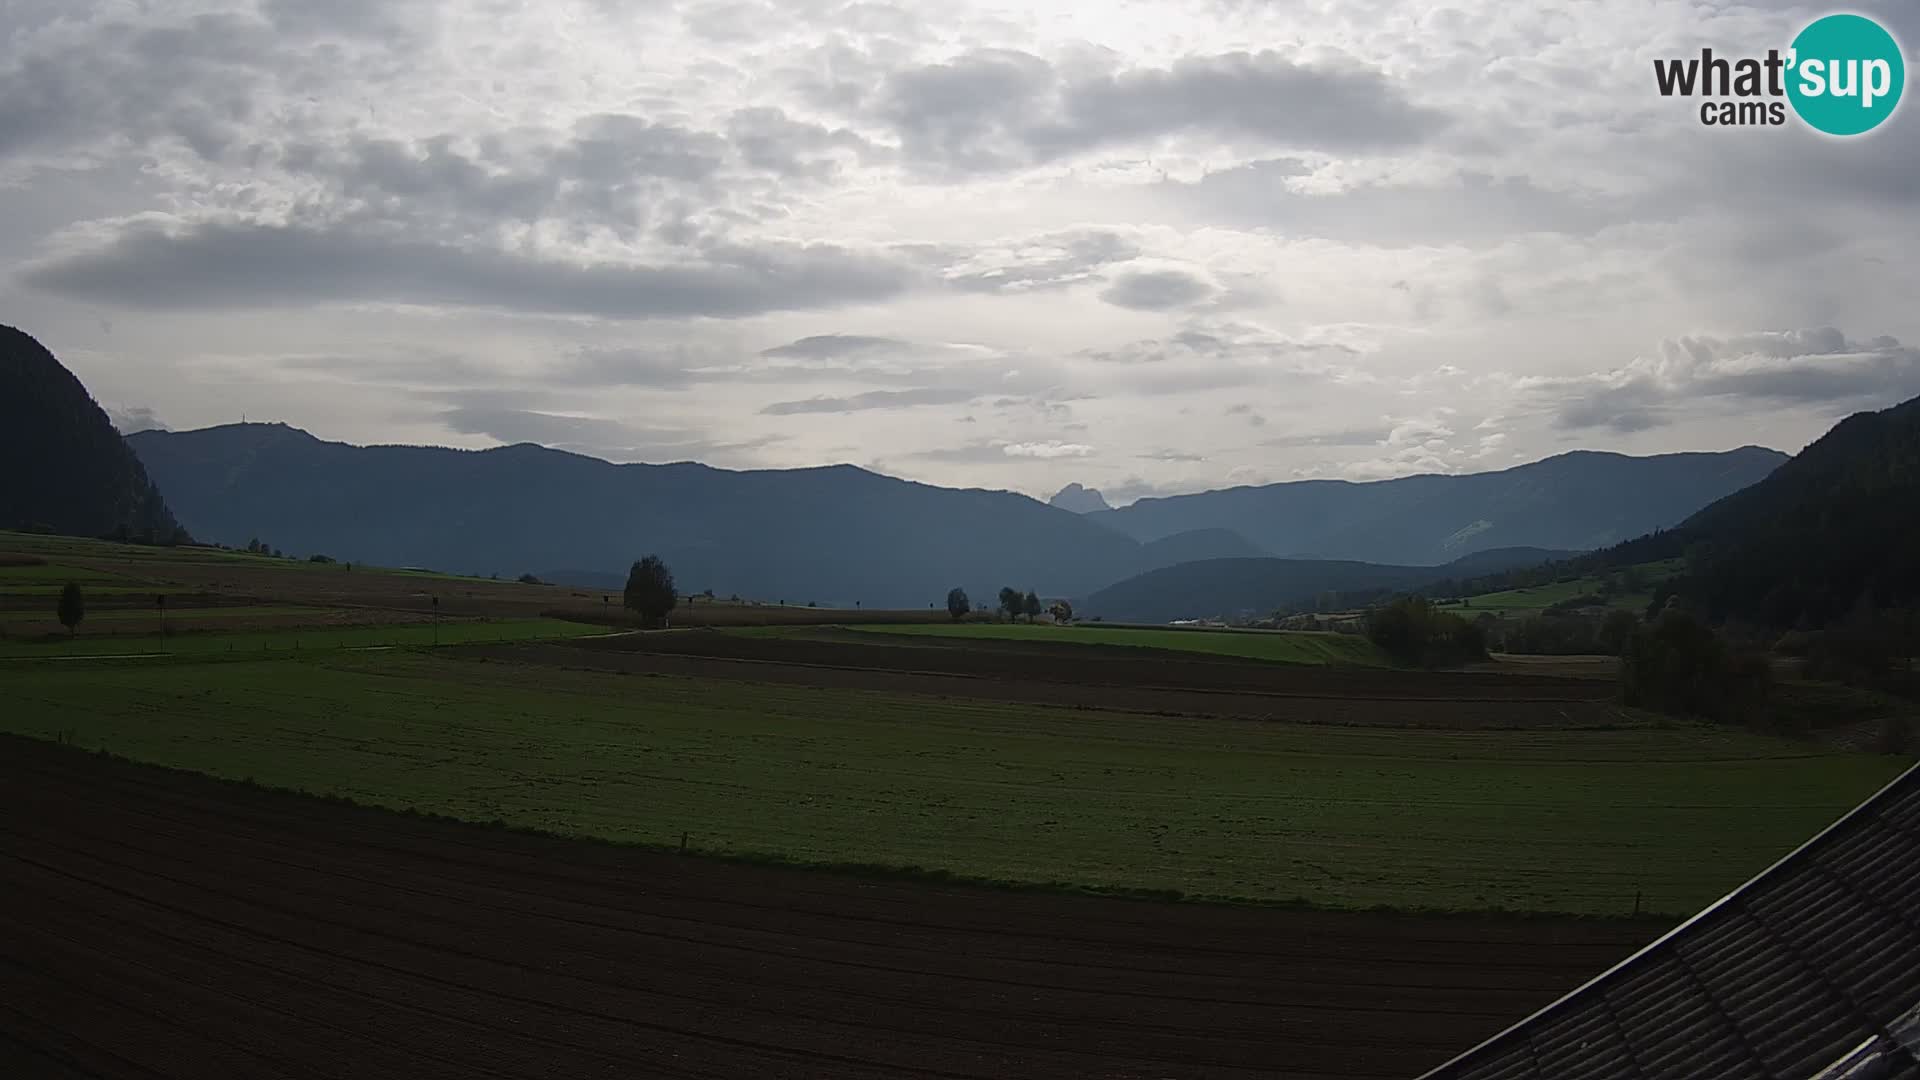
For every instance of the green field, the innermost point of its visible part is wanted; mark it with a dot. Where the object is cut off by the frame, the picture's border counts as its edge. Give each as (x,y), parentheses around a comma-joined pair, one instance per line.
(1336,816)
(175,615)
(1534,599)
(1282,646)
(303,638)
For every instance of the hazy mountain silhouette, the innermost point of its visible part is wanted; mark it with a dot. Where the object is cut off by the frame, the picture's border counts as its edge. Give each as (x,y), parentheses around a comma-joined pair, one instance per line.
(1238,587)
(837,535)
(1080,500)
(67,468)
(1576,501)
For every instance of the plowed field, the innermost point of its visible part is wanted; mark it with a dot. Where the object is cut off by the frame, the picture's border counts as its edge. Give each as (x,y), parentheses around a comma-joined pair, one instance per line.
(156,923)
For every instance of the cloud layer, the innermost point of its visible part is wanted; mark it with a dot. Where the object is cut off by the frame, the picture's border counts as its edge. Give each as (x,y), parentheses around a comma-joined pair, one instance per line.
(1151,248)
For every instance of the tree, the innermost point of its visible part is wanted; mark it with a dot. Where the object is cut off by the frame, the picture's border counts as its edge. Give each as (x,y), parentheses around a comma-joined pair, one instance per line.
(73,607)
(1616,631)
(1011,602)
(1677,664)
(1411,631)
(1061,611)
(1031,606)
(650,590)
(957,604)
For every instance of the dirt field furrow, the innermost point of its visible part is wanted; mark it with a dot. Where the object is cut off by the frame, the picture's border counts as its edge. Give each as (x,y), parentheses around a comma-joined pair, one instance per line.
(167,924)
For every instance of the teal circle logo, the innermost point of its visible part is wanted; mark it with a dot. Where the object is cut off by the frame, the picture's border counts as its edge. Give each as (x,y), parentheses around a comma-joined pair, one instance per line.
(1845,74)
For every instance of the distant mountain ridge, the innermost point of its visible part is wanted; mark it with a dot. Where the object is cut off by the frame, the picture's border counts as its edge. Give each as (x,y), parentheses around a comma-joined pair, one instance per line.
(67,468)
(1258,587)
(1576,501)
(835,534)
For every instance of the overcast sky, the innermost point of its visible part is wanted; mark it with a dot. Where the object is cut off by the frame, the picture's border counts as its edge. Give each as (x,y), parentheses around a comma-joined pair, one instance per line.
(1146,247)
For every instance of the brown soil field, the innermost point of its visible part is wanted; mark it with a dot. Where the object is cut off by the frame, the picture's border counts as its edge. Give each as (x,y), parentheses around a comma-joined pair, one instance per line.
(157,923)
(1300,703)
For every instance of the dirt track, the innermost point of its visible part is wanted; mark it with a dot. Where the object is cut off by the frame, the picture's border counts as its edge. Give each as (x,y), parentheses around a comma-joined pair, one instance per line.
(158,923)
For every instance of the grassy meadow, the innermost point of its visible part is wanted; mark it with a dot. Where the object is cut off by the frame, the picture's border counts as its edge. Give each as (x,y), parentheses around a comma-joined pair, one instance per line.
(1568,821)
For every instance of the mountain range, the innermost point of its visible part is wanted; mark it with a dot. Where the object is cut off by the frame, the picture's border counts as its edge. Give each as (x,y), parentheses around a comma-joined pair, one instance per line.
(843,535)
(1576,501)
(67,469)
(838,535)
(1827,535)
(1241,586)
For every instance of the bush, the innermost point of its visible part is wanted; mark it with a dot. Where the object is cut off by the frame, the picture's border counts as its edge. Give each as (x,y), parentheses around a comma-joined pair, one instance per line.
(1677,664)
(529,579)
(324,560)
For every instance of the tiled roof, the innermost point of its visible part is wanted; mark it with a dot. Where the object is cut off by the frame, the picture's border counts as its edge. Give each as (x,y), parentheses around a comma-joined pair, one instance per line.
(1811,970)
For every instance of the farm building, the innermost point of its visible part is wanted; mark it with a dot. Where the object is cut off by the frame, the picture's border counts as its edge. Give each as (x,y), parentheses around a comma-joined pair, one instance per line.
(1811,970)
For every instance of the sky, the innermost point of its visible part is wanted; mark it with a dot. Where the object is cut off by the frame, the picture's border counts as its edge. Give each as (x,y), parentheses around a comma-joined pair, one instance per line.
(1146,247)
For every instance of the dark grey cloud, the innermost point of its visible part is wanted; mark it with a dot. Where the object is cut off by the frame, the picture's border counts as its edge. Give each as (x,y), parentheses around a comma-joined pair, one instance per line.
(242,265)
(1782,368)
(767,138)
(1156,290)
(997,109)
(872,399)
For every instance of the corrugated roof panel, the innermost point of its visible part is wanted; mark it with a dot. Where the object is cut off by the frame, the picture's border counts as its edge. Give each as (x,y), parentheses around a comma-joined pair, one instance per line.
(1783,979)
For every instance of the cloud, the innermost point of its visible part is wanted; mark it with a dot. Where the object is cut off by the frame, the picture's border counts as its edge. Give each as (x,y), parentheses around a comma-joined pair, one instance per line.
(1045,262)
(1047,450)
(872,399)
(991,110)
(128,420)
(151,264)
(611,440)
(1156,290)
(1778,368)
(1359,436)
(1000,452)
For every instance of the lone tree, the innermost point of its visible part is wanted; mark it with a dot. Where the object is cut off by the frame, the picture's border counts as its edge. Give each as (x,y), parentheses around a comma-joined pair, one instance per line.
(957,604)
(1031,606)
(72,607)
(1061,611)
(1011,602)
(650,590)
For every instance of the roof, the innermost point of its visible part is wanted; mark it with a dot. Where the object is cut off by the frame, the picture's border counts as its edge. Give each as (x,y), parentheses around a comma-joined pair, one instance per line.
(1811,971)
